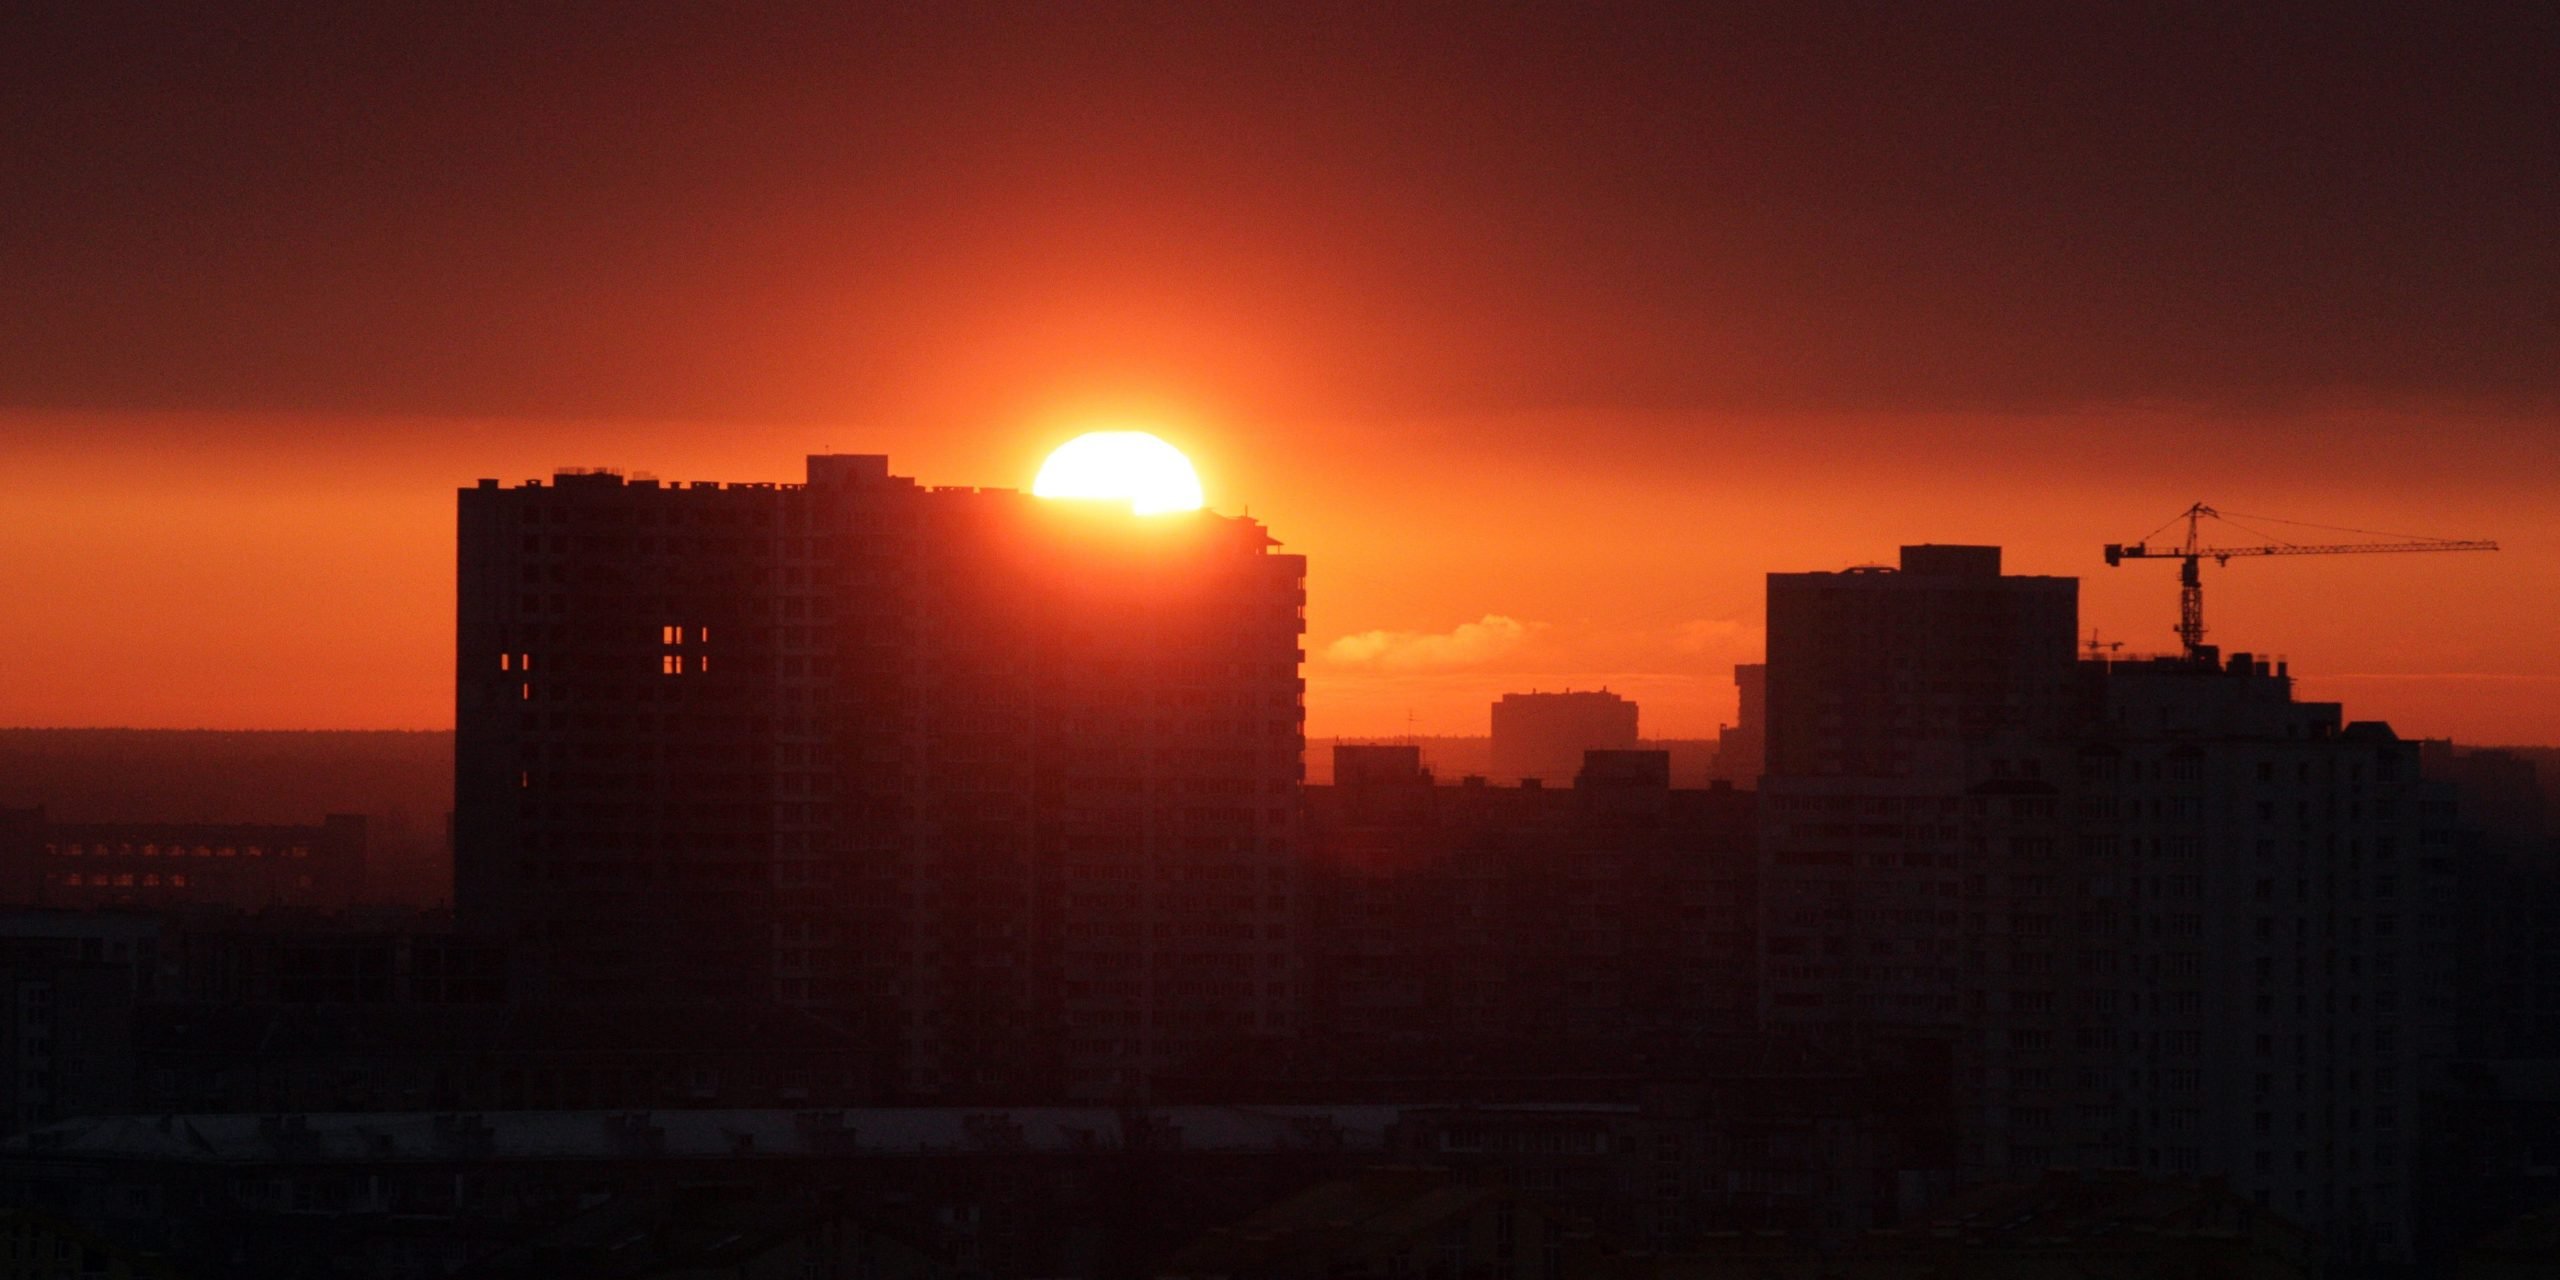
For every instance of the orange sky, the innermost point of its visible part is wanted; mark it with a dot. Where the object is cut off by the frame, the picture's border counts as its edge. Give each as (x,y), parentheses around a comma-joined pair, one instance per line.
(174,570)
(1543,332)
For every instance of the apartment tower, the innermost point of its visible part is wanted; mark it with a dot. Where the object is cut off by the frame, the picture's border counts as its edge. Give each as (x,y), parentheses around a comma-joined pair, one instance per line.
(1010,783)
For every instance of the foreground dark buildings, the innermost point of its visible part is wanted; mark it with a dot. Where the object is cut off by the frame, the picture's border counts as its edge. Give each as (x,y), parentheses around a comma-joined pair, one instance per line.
(1005,784)
(921,882)
(2156,914)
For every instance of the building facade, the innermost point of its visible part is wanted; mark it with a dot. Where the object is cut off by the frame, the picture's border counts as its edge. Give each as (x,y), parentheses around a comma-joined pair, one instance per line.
(1604,927)
(176,866)
(1543,735)
(1890,694)
(2154,913)
(2212,942)
(1011,782)
(1743,746)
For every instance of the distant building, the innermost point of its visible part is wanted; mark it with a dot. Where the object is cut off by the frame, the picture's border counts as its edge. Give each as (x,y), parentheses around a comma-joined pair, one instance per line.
(1742,747)
(157,866)
(1543,735)
(1604,926)
(69,983)
(2491,1138)
(1008,783)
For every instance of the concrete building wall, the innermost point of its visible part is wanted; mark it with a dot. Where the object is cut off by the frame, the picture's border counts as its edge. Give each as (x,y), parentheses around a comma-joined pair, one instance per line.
(1009,782)
(1543,735)
(166,866)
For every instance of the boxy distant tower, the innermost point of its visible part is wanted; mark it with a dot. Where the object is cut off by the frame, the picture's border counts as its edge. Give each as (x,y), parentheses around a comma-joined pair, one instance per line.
(1543,735)
(1011,783)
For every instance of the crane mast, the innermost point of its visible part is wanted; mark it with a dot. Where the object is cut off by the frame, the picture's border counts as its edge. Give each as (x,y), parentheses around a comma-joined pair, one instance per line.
(2192,553)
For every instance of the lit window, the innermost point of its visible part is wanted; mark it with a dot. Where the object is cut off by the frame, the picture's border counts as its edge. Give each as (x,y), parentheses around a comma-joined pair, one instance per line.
(671,635)
(506,662)
(672,664)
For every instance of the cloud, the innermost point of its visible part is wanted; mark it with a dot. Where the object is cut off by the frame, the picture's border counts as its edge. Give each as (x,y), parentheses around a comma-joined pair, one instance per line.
(1466,644)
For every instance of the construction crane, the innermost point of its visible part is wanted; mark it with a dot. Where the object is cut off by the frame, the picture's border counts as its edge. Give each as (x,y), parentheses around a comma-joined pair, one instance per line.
(2193,552)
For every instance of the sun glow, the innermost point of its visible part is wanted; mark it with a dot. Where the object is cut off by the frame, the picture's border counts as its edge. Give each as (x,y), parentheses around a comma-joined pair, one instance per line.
(1132,466)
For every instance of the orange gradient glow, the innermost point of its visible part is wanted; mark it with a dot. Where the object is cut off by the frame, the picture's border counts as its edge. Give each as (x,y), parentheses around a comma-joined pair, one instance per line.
(296,571)
(1132,466)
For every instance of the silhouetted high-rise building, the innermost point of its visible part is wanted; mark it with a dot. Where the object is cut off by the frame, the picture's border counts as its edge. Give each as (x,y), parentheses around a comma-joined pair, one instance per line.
(1898,673)
(2153,913)
(2213,942)
(1889,694)
(1543,735)
(1008,783)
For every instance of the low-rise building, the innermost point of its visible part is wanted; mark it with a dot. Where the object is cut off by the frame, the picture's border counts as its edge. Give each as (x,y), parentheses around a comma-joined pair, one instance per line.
(165,866)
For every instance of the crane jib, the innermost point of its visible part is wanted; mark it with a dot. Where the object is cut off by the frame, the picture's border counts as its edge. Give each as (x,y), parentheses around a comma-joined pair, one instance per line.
(2190,627)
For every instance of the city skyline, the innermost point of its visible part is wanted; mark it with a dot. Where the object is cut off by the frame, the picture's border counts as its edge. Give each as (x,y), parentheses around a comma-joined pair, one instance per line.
(1433,674)
(1708,294)
(1185,642)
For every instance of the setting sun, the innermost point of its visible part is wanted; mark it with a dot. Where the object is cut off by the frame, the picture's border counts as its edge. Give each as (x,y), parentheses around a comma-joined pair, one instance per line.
(1152,476)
